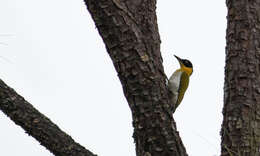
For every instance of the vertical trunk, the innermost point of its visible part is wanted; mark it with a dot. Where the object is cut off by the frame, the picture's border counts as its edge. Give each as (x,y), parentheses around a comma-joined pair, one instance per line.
(241,125)
(130,33)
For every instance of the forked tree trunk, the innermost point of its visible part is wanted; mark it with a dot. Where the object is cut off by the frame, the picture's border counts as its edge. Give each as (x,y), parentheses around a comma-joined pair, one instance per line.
(130,33)
(241,125)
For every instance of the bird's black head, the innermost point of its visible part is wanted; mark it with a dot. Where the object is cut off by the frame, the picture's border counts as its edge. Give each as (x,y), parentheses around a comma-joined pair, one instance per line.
(186,63)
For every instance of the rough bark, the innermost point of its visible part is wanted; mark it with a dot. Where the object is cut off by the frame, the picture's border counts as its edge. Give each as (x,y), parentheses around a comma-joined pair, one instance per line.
(130,33)
(241,125)
(37,125)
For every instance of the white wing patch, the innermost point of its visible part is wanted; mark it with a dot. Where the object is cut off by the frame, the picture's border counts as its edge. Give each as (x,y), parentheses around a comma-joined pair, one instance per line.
(174,83)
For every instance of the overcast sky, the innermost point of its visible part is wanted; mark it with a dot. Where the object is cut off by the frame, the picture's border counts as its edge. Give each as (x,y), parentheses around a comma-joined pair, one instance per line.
(52,55)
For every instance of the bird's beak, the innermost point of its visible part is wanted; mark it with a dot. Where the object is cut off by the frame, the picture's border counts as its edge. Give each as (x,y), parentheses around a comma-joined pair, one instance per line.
(179,59)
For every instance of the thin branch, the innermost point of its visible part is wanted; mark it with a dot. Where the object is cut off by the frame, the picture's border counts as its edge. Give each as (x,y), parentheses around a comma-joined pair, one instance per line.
(37,125)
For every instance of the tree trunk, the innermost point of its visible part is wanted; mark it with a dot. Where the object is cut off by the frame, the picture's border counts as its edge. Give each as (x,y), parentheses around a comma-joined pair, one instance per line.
(130,33)
(241,125)
(129,30)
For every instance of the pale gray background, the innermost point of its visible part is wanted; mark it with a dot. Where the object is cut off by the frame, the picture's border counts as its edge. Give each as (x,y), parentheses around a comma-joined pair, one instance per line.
(52,55)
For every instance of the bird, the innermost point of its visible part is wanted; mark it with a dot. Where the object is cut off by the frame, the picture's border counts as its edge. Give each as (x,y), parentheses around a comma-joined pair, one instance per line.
(179,82)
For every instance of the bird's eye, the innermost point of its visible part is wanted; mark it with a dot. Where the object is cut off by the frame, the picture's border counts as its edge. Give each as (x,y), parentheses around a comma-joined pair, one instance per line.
(187,63)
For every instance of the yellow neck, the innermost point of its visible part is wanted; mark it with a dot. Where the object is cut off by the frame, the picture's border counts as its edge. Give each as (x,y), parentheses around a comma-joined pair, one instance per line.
(187,70)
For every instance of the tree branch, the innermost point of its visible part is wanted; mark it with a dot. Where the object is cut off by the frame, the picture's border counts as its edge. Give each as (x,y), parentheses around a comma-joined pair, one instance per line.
(130,32)
(37,125)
